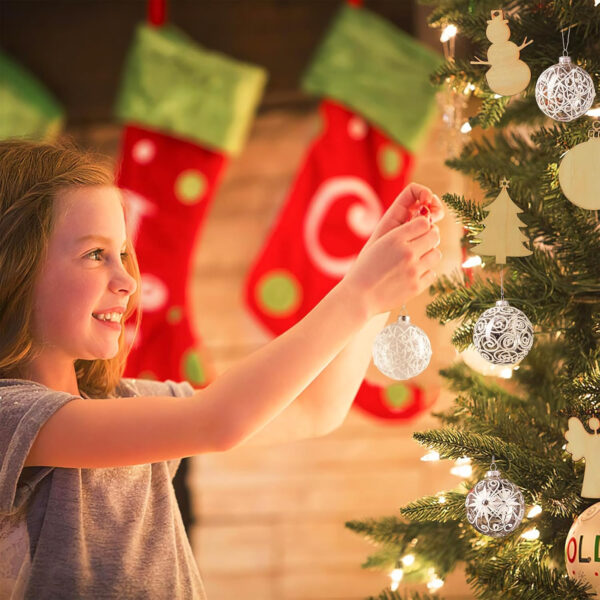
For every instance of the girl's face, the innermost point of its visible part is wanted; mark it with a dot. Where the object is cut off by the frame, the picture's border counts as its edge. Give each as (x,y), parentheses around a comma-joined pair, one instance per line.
(82,276)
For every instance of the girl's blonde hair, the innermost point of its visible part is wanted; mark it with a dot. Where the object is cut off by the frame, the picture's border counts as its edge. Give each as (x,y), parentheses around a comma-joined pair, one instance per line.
(31,176)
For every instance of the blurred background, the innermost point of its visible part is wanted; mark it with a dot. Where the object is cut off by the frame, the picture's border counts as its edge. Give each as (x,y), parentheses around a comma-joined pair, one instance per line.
(264,523)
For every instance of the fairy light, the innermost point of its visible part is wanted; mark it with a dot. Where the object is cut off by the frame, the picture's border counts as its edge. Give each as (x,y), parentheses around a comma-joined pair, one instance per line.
(448,33)
(465,127)
(534,512)
(435,583)
(431,456)
(462,471)
(472,261)
(531,534)
(396,577)
(594,112)
(442,499)
(506,373)
(468,89)
(408,560)
(463,460)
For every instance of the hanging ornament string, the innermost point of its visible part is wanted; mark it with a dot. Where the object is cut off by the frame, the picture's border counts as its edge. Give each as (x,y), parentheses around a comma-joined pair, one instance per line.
(502,284)
(565,46)
(157,12)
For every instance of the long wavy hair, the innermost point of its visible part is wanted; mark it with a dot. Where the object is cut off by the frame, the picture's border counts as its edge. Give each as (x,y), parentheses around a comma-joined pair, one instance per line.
(31,176)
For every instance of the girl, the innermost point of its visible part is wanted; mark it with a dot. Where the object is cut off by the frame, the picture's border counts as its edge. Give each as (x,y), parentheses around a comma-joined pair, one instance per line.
(87,508)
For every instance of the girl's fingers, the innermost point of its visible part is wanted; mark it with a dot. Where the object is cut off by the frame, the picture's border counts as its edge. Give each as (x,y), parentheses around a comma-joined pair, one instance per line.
(430,259)
(425,242)
(437,209)
(427,279)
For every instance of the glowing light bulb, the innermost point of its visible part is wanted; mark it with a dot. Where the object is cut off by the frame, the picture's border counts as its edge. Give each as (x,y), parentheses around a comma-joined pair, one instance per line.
(435,584)
(594,112)
(396,577)
(462,470)
(431,456)
(506,373)
(534,512)
(442,499)
(448,33)
(408,560)
(472,261)
(463,460)
(531,534)
(466,127)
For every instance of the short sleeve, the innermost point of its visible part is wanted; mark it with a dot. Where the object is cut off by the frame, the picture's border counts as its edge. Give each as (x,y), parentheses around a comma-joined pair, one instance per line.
(24,409)
(150,387)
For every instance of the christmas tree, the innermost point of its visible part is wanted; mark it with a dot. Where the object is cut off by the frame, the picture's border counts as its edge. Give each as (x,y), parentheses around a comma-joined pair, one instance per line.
(521,422)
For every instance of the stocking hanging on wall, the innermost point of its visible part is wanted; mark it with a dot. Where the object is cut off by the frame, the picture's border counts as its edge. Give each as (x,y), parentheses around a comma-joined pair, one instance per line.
(187,110)
(376,107)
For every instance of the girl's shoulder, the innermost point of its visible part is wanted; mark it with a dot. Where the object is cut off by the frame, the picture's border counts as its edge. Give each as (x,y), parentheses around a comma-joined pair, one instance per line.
(151,387)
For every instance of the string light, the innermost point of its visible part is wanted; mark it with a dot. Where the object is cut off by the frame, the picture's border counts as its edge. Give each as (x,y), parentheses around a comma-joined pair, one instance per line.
(472,261)
(465,127)
(468,89)
(448,33)
(506,373)
(431,456)
(594,112)
(534,512)
(531,534)
(435,584)
(396,577)
(442,499)
(408,560)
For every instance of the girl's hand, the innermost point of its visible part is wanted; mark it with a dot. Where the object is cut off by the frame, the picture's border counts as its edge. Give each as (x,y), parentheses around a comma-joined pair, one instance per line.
(398,261)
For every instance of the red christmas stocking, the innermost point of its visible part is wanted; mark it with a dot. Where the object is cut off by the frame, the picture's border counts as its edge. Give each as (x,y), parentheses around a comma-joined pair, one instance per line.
(176,144)
(354,169)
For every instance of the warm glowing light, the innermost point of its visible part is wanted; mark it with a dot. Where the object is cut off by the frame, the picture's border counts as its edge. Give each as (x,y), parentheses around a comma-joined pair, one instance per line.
(431,456)
(596,2)
(594,112)
(472,261)
(464,460)
(531,534)
(435,584)
(497,96)
(408,560)
(506,373)
(534,512)
(448,33)
(396,577)
(462,471)
(468,88)
(442,499)
(466,127)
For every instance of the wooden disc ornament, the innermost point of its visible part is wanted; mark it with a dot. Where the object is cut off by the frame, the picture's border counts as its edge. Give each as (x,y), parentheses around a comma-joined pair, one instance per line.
(579,172)
(582,549)
(508,74)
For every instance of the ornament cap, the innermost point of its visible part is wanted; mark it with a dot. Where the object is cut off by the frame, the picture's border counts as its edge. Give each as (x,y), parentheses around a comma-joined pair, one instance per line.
(492,473)
(564,60)
(404,319)
(502,303)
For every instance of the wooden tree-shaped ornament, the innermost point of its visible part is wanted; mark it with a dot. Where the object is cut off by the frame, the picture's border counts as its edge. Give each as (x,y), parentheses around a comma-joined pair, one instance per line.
(502,236)
(587,446)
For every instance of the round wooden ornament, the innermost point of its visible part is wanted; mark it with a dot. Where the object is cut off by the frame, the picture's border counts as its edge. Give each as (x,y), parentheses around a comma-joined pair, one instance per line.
(508,74)
(582,558)
(579,172)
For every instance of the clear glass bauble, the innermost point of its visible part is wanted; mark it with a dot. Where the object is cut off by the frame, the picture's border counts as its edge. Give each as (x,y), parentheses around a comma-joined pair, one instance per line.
(495,506)
(503,334)
(564,91)
(401,350)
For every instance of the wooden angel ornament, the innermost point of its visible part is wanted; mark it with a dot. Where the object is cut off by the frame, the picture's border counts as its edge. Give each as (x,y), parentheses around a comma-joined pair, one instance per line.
(586,445)
(508,74)
(501,236)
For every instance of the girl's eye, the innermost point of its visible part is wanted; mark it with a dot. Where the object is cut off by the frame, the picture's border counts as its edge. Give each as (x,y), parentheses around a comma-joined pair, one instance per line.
(99,251)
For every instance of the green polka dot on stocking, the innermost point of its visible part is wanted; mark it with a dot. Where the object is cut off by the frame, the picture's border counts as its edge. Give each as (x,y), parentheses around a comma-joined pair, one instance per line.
(190,186)
(174,315)
(396,395)
(193,370)
(390,161)
(278,293)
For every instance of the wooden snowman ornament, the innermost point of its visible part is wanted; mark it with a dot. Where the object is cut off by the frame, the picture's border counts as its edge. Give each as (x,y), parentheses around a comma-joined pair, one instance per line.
(508,74)
(579,172)
(586,445)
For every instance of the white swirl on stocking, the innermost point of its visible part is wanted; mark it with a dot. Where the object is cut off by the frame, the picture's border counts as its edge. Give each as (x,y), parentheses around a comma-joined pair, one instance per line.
(503,334)
(361,220)
(564,91)
(401,350)
(495,506)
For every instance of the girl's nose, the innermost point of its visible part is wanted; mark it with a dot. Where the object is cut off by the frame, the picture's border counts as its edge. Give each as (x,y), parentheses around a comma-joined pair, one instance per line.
(124,282)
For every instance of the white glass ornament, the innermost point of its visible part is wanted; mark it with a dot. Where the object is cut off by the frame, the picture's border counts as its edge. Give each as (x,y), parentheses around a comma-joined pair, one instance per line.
(401,350)
(503,334)
(564,91)
(581,549)
(495,506)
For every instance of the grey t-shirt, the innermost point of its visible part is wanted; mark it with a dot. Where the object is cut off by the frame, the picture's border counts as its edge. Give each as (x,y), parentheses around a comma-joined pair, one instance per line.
(93,534)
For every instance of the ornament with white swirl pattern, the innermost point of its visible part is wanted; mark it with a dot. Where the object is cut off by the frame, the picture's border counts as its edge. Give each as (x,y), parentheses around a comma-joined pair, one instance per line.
(564,91)
(503,334)
(401,350)
(495,506)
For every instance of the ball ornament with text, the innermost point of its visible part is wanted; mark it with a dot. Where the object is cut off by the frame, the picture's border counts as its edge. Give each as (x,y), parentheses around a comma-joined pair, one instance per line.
(582,549)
